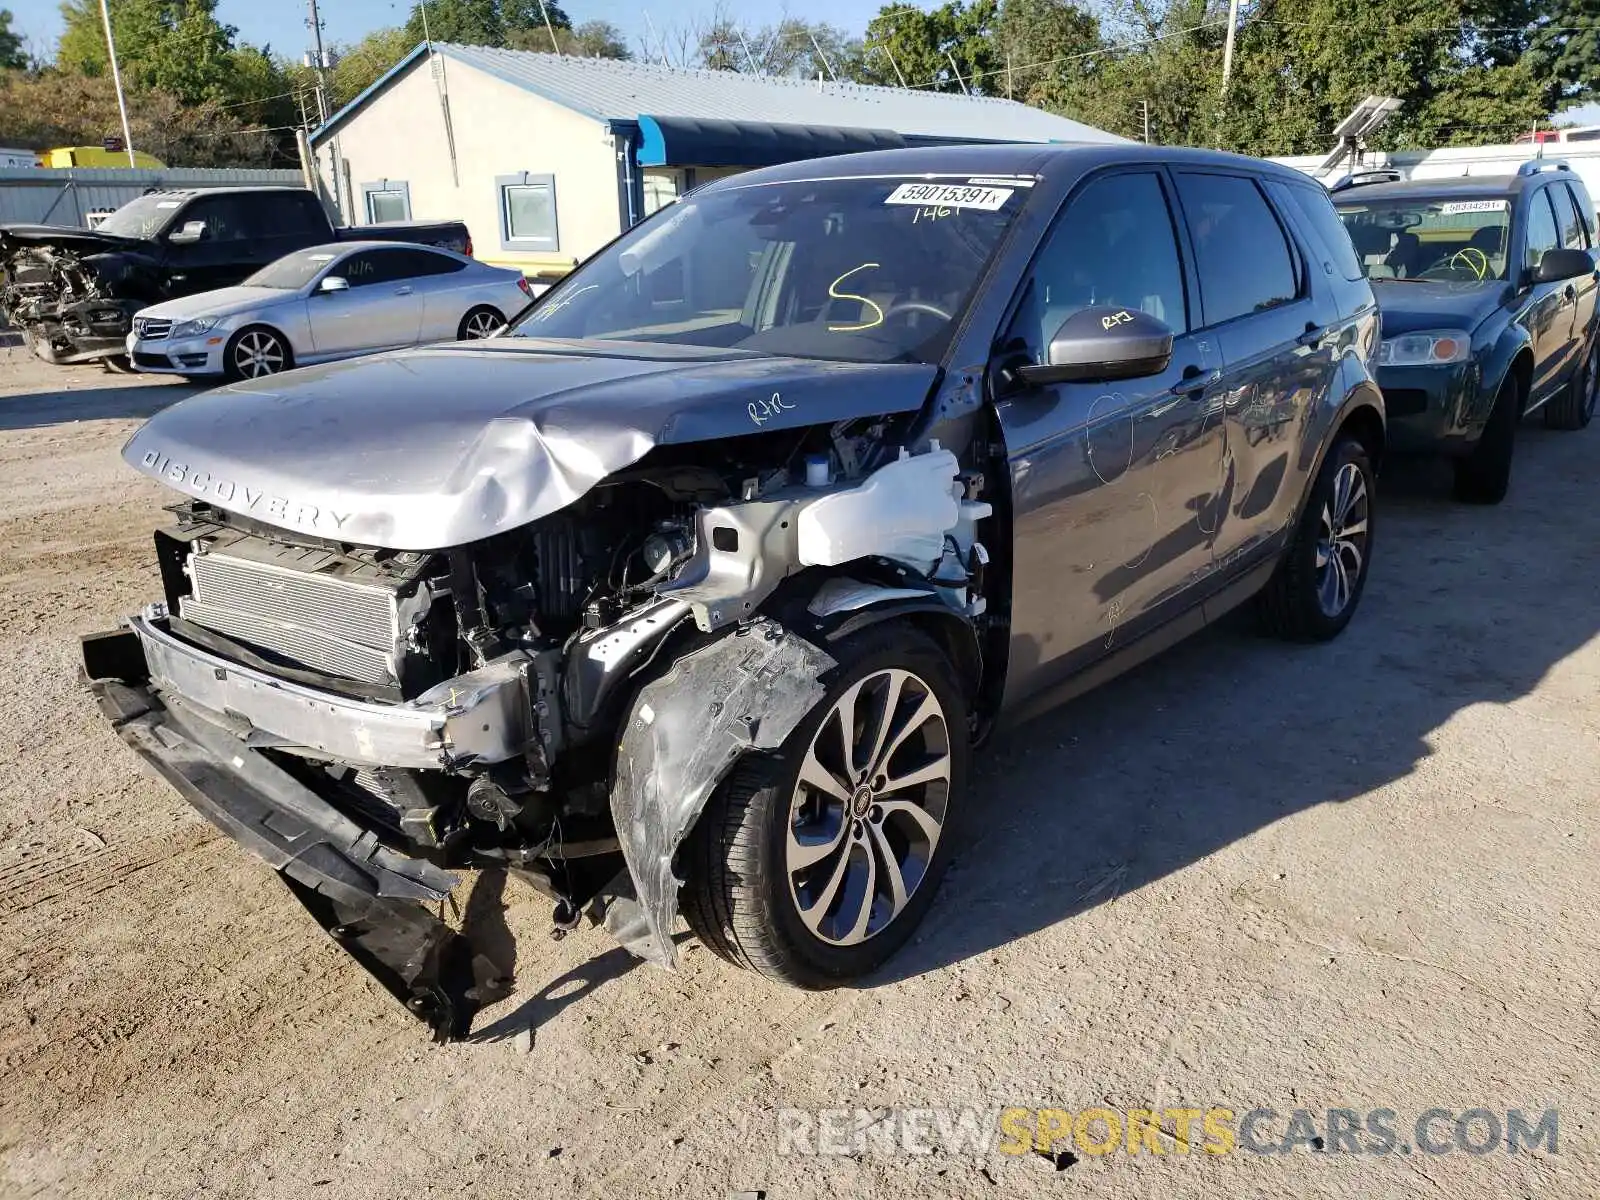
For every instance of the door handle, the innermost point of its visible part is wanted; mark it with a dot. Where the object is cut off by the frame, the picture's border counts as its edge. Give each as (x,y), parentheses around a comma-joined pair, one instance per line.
(1312,335)
(1191,383)
(402,291)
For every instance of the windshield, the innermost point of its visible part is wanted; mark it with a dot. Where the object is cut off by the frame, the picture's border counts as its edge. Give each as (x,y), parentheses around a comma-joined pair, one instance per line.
(142,218)
(859,270)
(293,271)
(1420,237)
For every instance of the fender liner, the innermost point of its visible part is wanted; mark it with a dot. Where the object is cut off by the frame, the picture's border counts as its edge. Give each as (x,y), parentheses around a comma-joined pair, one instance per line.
(742,693)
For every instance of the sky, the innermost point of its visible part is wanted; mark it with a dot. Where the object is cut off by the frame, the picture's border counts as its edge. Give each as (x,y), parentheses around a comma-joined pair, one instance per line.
(282,23)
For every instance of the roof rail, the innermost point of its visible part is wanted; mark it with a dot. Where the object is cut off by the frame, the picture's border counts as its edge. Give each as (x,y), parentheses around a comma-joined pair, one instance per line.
(1536,165)
(1359,178)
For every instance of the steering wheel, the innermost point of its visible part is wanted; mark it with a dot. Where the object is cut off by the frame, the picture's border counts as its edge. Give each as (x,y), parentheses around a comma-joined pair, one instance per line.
(922,306)
(1470,259)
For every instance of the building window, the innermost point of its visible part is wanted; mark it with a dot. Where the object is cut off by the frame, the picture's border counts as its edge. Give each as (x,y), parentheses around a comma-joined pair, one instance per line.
(386,200)
(528,212)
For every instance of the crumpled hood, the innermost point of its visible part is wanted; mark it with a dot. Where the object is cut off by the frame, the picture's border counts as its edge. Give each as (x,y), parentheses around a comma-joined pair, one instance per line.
(64,237)
(224,302)
(436,447)
(1412,305)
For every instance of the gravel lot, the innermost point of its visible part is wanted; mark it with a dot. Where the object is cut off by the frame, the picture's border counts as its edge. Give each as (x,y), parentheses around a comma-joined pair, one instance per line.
(1359,875)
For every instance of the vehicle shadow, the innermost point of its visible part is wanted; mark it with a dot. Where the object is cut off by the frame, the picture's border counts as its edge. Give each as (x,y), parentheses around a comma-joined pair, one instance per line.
(85,394)
(1232,731)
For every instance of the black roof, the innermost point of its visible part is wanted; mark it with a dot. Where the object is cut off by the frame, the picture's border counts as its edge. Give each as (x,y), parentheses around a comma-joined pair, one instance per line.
(1008,158)
(1464,187)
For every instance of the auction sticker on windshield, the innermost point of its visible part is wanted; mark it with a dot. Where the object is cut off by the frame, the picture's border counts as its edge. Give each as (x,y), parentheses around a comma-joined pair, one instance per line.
(950,195)
(1472,206)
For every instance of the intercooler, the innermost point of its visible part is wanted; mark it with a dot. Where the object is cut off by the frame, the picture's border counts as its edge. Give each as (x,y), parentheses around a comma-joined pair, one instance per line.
(309,606)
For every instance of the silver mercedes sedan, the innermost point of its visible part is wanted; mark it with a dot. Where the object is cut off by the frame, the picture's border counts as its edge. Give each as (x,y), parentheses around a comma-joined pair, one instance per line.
(327,302)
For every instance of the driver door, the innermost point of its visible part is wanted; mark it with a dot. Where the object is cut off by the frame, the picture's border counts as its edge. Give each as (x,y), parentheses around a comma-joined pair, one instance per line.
(382,309)
(1115,485)
(1550,305)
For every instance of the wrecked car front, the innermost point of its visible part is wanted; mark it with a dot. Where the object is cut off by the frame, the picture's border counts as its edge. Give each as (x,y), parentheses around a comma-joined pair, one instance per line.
(73,292)
(527,602)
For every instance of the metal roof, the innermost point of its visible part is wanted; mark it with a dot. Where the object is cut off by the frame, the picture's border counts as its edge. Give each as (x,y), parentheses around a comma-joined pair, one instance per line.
(613,90)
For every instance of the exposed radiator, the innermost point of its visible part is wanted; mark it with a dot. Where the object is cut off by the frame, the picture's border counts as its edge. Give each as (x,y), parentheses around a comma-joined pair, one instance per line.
(289,601)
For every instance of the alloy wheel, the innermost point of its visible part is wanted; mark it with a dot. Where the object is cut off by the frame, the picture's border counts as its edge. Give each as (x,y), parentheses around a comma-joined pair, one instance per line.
(258,353)
(481,325)
(1342,540)
(869,807)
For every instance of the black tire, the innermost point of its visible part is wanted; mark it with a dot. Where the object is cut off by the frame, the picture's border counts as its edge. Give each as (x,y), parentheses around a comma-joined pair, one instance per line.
(1484,475)
(1295,604)
(231,366)
(1574,407)
(738,898)
(471,327)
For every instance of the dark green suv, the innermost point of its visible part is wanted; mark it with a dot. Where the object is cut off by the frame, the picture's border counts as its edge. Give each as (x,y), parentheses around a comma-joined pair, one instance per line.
(1487,288)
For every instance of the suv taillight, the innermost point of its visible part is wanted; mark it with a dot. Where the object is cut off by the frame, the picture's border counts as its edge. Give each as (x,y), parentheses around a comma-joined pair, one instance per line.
(468,250)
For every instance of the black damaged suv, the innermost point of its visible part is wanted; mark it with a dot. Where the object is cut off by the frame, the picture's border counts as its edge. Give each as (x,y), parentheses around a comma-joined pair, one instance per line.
(1487,286)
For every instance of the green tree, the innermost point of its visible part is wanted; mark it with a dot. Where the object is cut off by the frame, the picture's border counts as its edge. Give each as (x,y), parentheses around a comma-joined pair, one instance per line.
(1046,52)
(12,56)
(470,22)
(594,39)
(175,46)
(948,49)
(1566,49)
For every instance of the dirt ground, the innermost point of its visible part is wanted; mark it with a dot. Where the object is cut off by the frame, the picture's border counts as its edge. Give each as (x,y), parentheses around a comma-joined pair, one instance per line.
(1359,875)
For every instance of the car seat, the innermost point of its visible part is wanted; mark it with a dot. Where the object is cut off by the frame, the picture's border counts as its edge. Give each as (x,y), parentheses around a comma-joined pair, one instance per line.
(1405,259)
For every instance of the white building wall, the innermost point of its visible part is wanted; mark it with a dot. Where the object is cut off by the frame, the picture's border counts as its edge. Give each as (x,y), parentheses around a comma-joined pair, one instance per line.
(400,135)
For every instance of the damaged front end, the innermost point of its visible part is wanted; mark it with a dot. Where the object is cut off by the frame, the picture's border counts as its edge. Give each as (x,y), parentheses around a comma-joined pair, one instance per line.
(73,303)
(560,700)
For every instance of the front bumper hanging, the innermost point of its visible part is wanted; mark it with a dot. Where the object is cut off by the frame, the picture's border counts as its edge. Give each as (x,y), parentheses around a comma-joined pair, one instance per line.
(368,898)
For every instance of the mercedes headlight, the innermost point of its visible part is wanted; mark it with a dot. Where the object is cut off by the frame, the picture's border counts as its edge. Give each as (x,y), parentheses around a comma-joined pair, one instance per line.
(1428,348)
(194,328)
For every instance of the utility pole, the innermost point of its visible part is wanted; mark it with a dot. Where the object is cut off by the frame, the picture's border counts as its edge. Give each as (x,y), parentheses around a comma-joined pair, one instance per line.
(116,79)
(319,64)
(1227,47)
(957,70)
(1145,104)
(550,29)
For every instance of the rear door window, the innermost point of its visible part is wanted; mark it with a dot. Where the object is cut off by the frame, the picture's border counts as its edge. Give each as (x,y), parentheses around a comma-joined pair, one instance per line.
(368,267)
(1313,204)
(1574,229)
(1241,253)
(416,264)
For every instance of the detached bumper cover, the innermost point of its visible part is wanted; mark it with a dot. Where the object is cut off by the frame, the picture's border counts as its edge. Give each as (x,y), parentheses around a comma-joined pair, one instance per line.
(365,895)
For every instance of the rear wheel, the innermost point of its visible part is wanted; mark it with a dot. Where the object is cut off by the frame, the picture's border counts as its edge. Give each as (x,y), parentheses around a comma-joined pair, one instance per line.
(1319,581)
(479,323)
(1574,407)
(1484,475)
(256,351)
(815,865)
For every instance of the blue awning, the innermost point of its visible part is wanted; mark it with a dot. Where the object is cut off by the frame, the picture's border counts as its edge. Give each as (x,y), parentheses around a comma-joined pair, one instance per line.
(688,142)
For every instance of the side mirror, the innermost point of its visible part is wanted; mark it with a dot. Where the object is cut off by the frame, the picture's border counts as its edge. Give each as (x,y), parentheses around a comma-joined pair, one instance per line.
(1102,342)
(334,283)
(189,234)
(1562,264)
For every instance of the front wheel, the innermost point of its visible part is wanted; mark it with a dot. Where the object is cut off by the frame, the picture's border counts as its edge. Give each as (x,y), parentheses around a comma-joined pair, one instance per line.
(1484,475)
(256,352)
(1319,581)
(481,322)
(815,865)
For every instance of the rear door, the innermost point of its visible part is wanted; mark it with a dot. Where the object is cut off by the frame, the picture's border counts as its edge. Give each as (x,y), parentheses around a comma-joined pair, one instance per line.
(284,221)
(380,311)
(1114,484)
(1257,301)
(1574,231)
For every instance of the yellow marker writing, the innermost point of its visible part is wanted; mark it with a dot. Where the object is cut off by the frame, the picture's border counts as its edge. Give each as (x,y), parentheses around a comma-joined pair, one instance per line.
(833,290)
